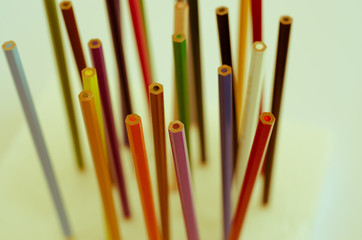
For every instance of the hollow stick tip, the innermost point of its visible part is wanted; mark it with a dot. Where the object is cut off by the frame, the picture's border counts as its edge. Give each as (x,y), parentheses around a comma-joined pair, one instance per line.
(176,126)
(89,72)
(85,95)
(65,5)
(178,37)
(155,88)
(267,118)
(221,11)
(259,46)
(94,43)
(133,119)
(9,45)
(224,70)
(286,20)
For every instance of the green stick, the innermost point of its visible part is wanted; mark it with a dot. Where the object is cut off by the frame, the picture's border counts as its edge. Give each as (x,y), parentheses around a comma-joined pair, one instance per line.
(63,72)
(180,58)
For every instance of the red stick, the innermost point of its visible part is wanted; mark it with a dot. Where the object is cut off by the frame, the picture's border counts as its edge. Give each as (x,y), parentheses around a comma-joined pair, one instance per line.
(256,14)
(257,154)
(139,31)
(72,30)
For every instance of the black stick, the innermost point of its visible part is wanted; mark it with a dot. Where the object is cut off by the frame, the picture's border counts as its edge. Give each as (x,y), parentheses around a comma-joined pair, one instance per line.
(222,15)
(115,23)
(195,42)
(282,52)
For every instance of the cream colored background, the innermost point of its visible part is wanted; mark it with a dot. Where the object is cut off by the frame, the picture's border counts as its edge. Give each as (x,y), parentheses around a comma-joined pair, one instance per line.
(316,193)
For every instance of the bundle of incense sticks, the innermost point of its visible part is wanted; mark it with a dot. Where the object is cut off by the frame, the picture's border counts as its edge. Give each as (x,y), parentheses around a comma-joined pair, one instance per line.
(238,111)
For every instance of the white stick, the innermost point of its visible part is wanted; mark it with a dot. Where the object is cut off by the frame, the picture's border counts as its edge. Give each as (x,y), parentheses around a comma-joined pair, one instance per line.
(249,118)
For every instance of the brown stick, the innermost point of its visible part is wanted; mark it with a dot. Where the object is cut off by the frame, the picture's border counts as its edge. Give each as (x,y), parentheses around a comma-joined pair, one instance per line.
(158,123)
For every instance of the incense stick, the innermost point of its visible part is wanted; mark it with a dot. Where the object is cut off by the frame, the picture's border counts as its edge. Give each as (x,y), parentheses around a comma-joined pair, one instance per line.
(17,71)
(257,154)
(95,46)
(113,8)
(139,31)
(73,34)
(142,8)
(282,52)
(196,56)
(222,15)
(181,161)
(146,31)
(181,18)
(117,7)
(256,14)
(243,30)
(251,109)
(158,123)
(90,82)
(226,138)
(180,59)
(139,155)
(64,80)
(181,26)
(92,123)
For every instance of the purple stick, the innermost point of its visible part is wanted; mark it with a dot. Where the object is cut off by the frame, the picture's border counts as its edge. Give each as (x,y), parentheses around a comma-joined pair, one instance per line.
(182,168)
(226,137)
(95,46)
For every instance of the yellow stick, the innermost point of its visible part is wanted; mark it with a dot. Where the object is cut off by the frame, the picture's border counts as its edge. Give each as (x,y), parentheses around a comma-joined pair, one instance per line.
(90,82)
(239,85)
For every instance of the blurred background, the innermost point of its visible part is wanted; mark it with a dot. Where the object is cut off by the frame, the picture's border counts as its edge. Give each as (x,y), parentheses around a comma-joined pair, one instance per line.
(316,188)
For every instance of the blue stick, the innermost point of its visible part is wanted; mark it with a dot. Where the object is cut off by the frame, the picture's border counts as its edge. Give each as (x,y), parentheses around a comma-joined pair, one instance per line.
(226,132)
(21,84)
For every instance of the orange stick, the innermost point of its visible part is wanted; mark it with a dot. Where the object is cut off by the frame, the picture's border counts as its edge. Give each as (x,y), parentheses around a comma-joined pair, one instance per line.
(138,148)
(91,122)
